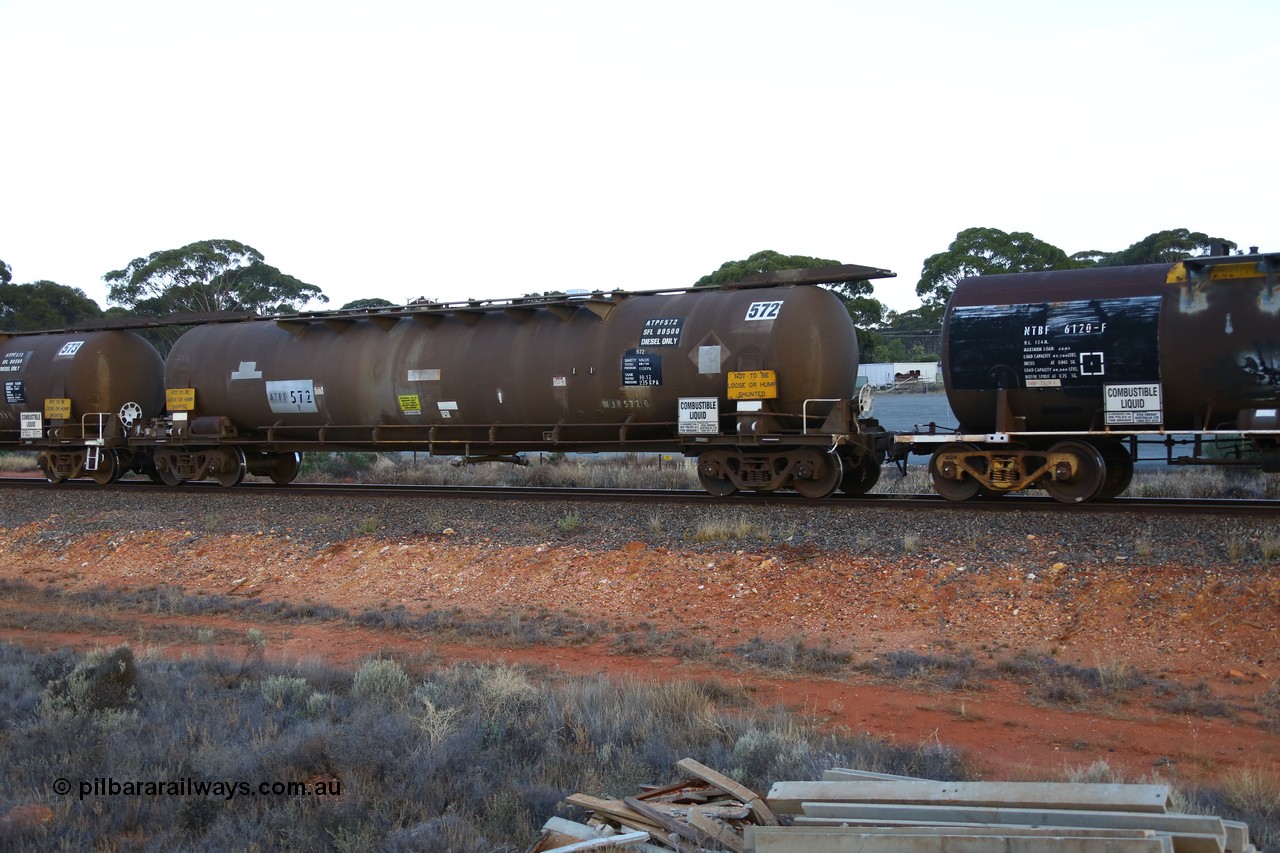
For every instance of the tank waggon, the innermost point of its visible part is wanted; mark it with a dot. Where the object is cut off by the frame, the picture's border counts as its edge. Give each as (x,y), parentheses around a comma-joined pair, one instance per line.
(1056,376)
(756,380)
(76,397)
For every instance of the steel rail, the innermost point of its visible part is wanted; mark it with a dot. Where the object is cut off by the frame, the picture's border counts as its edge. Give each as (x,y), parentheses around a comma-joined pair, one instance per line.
(914,502)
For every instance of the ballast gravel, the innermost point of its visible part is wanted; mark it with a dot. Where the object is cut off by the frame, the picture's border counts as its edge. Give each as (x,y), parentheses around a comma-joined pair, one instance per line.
(960,535)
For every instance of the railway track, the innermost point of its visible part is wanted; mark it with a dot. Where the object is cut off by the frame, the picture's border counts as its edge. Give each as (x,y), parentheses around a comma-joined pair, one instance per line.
(911,503)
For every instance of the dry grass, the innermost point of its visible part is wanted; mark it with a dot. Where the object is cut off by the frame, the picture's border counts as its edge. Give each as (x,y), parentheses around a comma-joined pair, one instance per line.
(1254,791)
(1268,705)
(729,528)
(18,463)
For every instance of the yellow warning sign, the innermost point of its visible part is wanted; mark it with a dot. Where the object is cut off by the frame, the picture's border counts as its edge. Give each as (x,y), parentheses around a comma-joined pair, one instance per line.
(753,385)
(180,399)
(410,404)
(57,408)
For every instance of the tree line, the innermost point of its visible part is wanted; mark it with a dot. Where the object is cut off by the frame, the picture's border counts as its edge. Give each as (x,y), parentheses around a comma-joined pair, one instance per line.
(225,275)
(916,335)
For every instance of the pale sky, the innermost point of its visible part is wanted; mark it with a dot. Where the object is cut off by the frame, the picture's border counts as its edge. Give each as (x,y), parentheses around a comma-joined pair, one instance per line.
(487,149)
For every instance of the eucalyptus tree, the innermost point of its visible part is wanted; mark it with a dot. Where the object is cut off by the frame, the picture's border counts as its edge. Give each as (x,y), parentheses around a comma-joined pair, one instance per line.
(43,305)
(204,277)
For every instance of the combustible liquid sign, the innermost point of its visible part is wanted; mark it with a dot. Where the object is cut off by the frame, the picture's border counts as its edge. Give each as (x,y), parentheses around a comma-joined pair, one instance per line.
(1136,404)
(753,385)
(699,415)
(32,425)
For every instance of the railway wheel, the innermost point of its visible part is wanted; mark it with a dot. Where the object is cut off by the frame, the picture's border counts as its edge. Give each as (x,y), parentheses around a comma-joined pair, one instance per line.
(109,469)
(48,463)
(713,473)
(232,467)
(146,465)
(1119,470)
(816,475)
(1082,484)
(51,473)
(949,480)
(285,469)
(165,473)
(860,475)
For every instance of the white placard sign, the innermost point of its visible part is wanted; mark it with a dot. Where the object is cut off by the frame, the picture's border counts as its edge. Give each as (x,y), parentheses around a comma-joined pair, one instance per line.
(699,415)
(1137,404)
(32,424)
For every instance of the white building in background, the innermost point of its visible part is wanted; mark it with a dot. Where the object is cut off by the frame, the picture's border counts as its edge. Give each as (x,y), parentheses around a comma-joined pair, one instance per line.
(898,373)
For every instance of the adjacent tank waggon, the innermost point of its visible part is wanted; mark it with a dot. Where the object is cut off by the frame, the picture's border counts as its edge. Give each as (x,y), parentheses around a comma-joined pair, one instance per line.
(1055,376)
(76,396)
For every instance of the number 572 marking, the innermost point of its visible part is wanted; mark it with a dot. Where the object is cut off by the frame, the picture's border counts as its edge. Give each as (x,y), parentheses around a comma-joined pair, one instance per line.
(763,310)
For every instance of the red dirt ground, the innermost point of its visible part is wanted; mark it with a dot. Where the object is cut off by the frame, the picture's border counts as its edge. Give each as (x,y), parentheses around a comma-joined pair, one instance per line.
(1213,629)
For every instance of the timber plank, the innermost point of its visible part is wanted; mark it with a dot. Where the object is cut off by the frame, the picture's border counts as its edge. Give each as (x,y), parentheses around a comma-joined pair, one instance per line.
(616,810)
(838,774)
(986,830)
(793,839)
(569,831)
(1190,833)
(721,834)
(630,839)
(725,811)
(1237,836)
(762,811)
(670,824)
(786,797)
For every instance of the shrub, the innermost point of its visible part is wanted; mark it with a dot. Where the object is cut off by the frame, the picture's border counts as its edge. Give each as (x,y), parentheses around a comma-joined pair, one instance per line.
(793,656)
(381,682)
(949,672)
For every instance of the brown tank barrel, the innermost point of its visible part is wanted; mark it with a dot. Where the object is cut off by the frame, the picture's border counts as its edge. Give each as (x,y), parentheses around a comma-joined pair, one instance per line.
(1187,346)
(524,365)
(100,371)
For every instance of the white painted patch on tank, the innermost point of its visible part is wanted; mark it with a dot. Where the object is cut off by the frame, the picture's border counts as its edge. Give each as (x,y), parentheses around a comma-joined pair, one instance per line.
(709,359)
(247,370)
